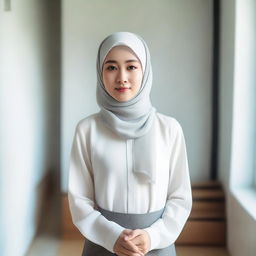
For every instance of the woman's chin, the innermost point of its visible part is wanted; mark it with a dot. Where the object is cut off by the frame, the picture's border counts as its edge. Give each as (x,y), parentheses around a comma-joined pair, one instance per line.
(123,98)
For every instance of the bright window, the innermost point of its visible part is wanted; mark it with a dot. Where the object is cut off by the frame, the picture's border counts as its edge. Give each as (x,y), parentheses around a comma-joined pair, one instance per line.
(243,153)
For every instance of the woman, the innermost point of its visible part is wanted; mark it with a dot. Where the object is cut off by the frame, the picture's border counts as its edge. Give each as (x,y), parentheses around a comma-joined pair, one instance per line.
(129,186)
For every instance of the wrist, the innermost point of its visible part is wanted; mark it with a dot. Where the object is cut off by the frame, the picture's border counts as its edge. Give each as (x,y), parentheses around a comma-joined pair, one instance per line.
(148,239)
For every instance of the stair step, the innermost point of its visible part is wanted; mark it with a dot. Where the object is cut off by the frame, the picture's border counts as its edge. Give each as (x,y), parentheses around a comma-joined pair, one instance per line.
(208,194)
(203,233)
(208,210)
(206,185)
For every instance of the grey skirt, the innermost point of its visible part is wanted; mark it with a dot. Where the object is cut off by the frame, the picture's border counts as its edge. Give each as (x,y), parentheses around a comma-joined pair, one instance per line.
(129,221)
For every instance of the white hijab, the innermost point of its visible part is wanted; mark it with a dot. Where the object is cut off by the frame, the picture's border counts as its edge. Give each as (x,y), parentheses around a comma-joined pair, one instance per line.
(132,119)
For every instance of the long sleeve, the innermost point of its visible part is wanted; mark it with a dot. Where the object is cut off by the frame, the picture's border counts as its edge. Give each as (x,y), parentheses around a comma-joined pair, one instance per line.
(165,230)
(89,221)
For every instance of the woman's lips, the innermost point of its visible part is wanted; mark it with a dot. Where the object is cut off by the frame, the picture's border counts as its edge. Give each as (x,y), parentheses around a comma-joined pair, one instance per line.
(123,89)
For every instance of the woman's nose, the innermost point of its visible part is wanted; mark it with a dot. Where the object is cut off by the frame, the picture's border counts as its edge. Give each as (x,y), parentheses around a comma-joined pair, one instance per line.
(122,77)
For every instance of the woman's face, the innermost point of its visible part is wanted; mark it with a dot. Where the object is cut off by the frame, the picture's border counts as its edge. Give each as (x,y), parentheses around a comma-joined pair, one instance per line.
(122,73)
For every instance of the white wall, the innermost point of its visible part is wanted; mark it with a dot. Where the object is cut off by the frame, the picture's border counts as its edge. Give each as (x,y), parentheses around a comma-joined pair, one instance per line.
(179,35)
(227,51)
(237,102)
(29,110)
(241,228)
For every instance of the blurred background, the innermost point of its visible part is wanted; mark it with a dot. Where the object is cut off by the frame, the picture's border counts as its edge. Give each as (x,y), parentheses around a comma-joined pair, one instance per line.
(203,56)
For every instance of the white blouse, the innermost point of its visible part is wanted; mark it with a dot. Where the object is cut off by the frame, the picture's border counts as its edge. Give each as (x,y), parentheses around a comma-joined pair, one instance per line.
(101,174)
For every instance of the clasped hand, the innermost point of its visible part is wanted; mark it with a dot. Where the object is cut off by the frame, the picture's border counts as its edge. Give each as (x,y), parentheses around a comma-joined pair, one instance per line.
(132,243)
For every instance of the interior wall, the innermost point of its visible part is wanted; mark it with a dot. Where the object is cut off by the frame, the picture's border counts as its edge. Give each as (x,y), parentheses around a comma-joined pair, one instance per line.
(237,80)
(227,51)
(179,36)
(241,228)
(29,113)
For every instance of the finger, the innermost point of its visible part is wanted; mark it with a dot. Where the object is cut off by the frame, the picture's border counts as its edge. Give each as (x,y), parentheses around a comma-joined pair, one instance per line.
(130,246)
(133,234)
(138,240)
(127,231)
(128,252)
(121,254)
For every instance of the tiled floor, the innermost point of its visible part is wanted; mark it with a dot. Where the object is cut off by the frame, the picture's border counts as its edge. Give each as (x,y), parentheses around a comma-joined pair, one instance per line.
(44,245)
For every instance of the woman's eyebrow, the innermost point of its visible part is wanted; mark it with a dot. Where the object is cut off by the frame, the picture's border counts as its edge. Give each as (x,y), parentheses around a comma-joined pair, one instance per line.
(114,61)
(131,61)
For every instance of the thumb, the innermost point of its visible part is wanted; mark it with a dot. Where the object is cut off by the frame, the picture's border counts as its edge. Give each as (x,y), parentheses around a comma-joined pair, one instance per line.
(132,234)
(127,231)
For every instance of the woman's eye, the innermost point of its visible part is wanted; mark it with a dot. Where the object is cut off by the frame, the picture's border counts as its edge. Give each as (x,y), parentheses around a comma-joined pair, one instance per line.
(132,67)
(111,68)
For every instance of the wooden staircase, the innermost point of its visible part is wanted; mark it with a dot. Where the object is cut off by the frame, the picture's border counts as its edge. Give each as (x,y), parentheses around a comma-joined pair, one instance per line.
(207,222)
(205,226)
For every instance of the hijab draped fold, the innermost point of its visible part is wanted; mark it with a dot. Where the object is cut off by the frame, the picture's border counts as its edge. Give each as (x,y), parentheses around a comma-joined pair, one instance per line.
(132,119)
